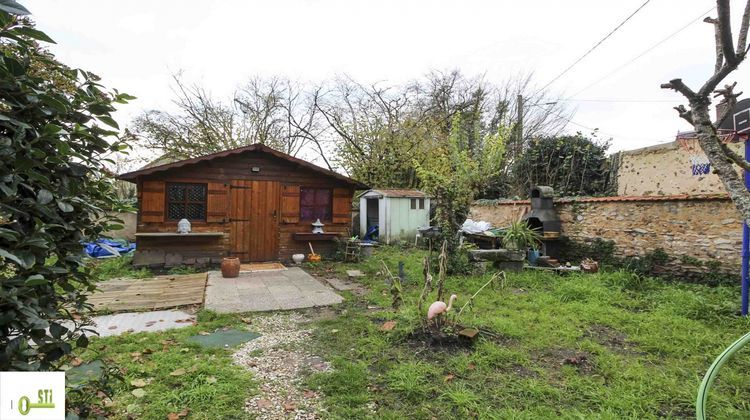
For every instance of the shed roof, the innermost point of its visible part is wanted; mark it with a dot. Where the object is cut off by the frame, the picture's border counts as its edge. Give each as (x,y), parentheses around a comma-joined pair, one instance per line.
(397,192)
(162,164)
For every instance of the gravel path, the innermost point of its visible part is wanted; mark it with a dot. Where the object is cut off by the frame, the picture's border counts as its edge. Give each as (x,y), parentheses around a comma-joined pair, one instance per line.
(279,362)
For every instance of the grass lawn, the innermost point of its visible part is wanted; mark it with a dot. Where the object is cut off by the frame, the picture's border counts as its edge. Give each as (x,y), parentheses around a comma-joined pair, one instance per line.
(177,374)
(608,345)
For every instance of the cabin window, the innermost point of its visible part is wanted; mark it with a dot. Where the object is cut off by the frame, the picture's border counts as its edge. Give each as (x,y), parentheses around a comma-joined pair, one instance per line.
(315,203)
(186,201)
(417,203)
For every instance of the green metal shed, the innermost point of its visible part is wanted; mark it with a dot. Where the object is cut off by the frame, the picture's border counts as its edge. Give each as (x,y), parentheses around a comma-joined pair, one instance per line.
(397,213)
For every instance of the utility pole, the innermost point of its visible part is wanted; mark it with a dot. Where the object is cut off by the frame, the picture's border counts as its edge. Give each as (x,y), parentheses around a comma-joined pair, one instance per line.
(519,124)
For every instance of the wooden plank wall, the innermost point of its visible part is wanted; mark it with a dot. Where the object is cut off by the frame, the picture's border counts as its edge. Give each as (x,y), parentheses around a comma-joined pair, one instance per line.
(219,173)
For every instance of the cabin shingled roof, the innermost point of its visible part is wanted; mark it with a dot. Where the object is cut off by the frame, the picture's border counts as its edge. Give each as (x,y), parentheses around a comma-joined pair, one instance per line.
(163,164)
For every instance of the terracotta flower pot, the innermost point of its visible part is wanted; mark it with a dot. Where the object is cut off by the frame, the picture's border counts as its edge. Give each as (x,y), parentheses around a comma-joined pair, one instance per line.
(230,267)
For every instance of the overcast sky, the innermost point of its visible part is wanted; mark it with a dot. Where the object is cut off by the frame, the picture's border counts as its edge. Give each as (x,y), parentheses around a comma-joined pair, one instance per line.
(137,45)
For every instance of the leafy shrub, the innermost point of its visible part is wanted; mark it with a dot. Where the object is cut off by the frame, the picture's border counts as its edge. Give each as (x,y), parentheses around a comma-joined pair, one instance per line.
(648,264)
(519,235)
(54,143)
(110,268)
(598,249)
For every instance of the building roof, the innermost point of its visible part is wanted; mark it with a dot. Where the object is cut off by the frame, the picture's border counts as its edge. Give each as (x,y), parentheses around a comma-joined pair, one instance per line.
(616,198)
(162,164)
(396,192)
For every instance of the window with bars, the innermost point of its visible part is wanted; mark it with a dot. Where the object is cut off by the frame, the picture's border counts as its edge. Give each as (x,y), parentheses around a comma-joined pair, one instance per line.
(315,203)
(186,201)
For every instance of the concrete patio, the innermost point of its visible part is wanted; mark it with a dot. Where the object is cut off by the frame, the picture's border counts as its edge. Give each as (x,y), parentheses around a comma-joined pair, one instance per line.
(267,291)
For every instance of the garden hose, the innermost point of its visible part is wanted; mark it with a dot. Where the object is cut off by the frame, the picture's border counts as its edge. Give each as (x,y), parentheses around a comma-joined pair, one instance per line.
(708,380)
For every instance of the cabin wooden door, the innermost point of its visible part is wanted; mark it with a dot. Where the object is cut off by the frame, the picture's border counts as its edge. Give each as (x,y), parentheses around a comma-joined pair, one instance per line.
(254,219)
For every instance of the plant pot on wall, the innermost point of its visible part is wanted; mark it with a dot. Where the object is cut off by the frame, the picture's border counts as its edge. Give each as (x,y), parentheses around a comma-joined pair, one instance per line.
(230,267)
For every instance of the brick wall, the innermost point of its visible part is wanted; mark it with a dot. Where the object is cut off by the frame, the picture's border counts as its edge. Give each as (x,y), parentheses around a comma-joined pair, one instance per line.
(705,227)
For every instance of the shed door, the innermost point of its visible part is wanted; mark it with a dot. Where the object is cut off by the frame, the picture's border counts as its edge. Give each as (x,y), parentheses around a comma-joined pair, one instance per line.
(253,214)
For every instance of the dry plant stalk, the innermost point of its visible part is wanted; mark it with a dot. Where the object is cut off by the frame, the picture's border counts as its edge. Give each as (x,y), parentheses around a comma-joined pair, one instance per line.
(442,268)
(396,289)
(427,284)
(495,277)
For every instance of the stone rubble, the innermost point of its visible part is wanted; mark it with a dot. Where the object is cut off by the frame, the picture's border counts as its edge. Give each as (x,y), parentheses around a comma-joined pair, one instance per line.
(278,361)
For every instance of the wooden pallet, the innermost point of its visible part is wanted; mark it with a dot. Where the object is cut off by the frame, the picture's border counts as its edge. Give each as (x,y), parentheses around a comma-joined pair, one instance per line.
(148,294)
(268,266)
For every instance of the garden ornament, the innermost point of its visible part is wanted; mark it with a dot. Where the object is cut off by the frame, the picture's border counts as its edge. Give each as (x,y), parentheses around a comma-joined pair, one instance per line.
(183,226)
(439,307)
(317,226)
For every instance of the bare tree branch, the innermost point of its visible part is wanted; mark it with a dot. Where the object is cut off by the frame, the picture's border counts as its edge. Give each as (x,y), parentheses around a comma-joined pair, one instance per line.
(684,113)
(717,36)
(721,157)
(742,39)
(735,157)
(679,86)
(725,32)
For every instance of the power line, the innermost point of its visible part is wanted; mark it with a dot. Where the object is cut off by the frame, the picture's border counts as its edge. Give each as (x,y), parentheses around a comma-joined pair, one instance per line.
(616,100)
(596,45)
(613,135)
(648,50)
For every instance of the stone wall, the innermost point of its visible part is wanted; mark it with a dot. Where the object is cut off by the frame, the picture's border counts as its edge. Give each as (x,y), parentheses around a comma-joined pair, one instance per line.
(665,169)
(704,227)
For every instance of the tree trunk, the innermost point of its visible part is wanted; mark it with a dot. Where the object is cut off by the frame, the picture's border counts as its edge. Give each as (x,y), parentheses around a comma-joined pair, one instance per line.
(711,145)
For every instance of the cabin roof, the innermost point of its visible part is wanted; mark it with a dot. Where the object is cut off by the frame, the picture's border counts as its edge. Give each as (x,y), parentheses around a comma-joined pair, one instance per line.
(396,192)
(162,165)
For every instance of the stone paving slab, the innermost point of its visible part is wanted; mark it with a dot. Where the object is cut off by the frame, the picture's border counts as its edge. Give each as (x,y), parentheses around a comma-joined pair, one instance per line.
(340,284)
(267,291)
(108,325)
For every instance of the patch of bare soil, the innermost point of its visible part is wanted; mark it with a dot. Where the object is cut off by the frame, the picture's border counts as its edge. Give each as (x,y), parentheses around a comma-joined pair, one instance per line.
(521,371)
(427,343)
(279,362)
(612,339)
(555,358)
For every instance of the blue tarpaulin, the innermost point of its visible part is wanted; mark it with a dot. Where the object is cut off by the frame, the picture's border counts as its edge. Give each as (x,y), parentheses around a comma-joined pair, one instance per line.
(104,248)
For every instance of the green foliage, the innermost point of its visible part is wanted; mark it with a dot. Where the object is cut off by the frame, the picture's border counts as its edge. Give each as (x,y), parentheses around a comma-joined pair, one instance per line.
(519,235)
(685,269)
(183,269)
(120,267)
(598,249)
(572,165)
(212,386)
(56,131)
(647,343)
(452,177)
(648,264)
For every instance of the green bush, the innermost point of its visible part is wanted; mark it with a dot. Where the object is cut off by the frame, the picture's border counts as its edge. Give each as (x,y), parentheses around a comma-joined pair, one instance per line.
(56,133)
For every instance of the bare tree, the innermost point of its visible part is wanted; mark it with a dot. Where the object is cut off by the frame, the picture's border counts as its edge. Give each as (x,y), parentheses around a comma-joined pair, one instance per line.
(728,58)
(201,125)
(376,130)
(276,112)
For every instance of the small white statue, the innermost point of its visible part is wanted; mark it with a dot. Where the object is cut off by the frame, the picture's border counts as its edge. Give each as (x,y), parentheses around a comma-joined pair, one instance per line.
(317,226)
(183,226)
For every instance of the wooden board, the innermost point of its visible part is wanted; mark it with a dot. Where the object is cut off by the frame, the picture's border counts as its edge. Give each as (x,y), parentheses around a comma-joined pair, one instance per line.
(269,266)
(148,294)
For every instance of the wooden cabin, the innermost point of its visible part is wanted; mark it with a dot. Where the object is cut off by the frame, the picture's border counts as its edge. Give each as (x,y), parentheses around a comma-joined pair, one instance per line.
(252,202)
